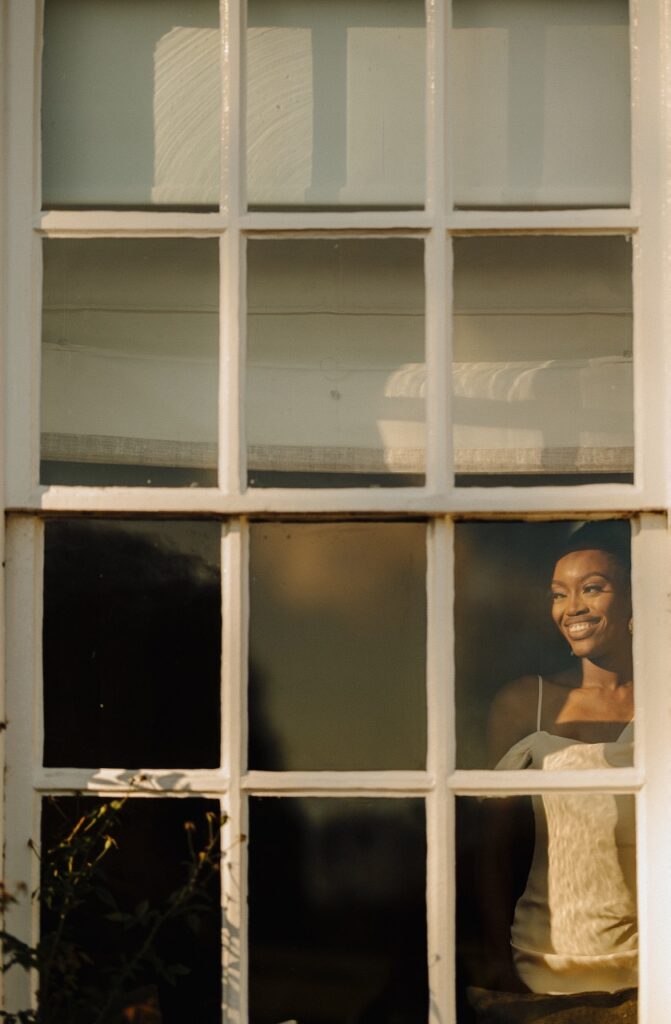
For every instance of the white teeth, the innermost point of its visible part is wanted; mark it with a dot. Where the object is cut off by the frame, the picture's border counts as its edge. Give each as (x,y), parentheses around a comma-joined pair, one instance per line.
(576,628)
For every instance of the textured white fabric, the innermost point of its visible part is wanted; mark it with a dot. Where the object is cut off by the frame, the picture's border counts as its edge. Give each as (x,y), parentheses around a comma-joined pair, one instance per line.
(575,924)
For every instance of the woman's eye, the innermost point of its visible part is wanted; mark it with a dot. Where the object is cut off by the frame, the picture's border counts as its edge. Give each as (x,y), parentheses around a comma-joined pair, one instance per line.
(593,588)
(557,595)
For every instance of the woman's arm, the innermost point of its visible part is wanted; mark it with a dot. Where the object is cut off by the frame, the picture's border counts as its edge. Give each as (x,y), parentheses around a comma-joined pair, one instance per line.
(511,717)
(507,834)
(507,845)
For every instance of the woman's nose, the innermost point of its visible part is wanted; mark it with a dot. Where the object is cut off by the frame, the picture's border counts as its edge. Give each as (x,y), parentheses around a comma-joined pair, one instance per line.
(576,603)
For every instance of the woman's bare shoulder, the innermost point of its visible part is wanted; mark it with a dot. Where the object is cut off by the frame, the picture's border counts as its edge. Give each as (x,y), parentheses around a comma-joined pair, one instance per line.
(519,695)
(512,716)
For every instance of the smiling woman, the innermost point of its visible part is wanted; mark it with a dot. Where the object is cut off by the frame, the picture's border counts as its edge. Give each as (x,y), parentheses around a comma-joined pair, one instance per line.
(592,699)
(574,926)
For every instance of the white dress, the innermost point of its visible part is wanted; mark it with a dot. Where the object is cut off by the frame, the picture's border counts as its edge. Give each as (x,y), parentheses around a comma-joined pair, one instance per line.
(575,926)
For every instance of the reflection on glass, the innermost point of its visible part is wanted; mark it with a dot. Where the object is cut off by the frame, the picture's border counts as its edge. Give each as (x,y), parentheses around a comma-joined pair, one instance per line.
(129,361)
(131,646)
(337,911)
(336,376)
(335,103)
(542,375)
(543,627)
(546,906)
(131,103)
(150,834)
(337,646)
(541,102)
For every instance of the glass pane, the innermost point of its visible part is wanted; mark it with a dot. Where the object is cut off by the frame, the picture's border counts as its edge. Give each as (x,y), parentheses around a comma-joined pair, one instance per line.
(131,103)
(336,375)
(335,103)
(132,644)
(543,370)
(337,911)
(543,623)
(130,355)
(178,978)
(337,646)
(541,103)
(546,908)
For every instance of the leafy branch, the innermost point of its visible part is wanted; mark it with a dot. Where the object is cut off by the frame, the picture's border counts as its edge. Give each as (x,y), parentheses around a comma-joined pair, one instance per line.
(71,988)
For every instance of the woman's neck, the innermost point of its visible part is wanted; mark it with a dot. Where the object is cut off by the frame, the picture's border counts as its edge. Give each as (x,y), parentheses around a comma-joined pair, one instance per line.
(606,676)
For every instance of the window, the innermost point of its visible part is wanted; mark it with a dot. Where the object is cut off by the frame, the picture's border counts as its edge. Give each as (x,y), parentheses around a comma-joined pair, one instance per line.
(303,304)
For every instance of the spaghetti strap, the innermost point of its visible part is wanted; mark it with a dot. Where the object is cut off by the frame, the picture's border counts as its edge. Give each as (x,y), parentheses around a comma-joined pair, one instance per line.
(540,703)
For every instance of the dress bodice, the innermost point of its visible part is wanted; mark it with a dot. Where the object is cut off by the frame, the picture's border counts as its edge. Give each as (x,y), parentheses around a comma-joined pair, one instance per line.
(575,924)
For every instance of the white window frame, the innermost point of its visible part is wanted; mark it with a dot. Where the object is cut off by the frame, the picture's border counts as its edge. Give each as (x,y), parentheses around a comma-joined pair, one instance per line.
(647,221)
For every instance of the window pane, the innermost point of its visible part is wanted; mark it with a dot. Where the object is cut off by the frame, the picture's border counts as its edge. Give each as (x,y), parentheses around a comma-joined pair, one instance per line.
(150,861)
(130,356)
(546,898)
(335,103)
(337,646)
(336,376)
(131,103)
(543,388)
(543,624)
(337,911)
(541,103)
(132,629)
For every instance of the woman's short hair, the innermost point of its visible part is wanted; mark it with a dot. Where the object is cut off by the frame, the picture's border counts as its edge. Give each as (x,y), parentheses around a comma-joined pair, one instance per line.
(612,536)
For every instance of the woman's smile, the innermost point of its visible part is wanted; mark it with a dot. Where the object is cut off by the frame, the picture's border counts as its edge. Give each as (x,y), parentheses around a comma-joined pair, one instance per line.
(591,605)
(582,628)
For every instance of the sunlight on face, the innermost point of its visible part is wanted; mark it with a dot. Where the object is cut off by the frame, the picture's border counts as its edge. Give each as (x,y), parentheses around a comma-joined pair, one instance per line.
(591,603)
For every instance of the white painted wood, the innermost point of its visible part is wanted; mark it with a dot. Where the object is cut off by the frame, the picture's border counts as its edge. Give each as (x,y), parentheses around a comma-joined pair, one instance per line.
(128,223)
(651,296)
(437,261)
(235,617)
(652,653)
(23,667)
(436,122)
(380,783)
(572,222)
(439,455)
(138,781)
(441,732)
(235,937)
(358,221)
(5,255)
(440,882)
(592,498)
(490,783)
(231,364)
(22,279)
(204,782)
(235,116)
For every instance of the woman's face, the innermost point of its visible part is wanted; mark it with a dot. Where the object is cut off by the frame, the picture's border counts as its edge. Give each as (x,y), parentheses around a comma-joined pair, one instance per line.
(591,603)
